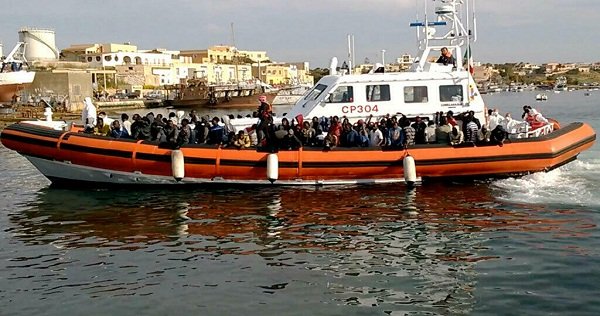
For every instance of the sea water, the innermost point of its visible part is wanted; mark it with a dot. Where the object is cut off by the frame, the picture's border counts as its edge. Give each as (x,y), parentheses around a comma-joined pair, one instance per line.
(526,245)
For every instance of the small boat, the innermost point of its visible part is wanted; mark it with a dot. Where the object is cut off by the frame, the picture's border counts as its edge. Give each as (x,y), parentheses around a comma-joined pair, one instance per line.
(14,75)
(65,155)
(561,84)
(541,97)
(199,92)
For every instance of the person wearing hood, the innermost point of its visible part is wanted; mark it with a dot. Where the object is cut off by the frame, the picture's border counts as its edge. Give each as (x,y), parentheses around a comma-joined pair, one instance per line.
(88,114)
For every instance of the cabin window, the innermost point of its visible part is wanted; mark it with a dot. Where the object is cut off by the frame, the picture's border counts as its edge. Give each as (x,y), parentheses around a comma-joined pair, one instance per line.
(453,93)
(417,94)
(315,92)
(378,92)
(342,94)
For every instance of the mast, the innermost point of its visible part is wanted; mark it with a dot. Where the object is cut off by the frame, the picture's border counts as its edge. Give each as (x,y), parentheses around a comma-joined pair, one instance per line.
(235,56)
(453,35)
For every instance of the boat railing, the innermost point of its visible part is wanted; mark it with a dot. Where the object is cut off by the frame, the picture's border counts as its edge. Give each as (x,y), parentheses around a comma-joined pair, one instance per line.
(525,131)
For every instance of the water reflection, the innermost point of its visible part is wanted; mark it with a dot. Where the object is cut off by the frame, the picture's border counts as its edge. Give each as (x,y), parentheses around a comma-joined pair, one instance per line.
(330,219)
(369,246)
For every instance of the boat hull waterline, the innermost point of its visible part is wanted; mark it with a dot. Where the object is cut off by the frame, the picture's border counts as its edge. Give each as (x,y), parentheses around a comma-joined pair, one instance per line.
(65,157)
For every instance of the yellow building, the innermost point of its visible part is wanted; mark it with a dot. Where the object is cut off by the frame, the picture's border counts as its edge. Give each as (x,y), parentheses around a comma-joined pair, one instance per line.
(222,54)
(78,52)
(283,74)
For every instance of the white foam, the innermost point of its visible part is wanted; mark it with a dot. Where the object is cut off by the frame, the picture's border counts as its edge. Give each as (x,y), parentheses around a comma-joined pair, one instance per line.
(574,184)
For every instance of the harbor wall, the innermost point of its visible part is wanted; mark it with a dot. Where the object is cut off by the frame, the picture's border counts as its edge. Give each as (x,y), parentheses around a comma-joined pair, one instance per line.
(72,86)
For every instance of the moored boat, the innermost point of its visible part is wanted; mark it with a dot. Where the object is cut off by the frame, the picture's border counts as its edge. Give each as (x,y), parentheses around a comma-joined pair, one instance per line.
(430,88)
(14,75)
(198,92)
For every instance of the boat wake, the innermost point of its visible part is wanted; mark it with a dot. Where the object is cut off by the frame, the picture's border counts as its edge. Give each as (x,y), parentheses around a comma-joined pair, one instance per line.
(575,184)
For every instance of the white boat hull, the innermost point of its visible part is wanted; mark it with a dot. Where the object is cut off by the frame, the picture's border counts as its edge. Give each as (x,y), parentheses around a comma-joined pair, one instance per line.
(65,172)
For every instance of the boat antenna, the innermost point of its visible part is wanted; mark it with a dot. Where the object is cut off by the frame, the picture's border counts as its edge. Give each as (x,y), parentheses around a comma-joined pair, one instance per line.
(474,24)
(232,36)
(350,63)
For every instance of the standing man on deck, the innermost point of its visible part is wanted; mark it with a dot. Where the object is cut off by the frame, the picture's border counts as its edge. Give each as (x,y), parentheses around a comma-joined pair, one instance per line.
(265,115)
(446,58)
(88,115)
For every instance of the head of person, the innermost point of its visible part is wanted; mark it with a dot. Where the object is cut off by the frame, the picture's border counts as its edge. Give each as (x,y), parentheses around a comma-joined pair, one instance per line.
(445,51)
(100,122)
(262,99)
(124,117)
(115,125)
(102,114)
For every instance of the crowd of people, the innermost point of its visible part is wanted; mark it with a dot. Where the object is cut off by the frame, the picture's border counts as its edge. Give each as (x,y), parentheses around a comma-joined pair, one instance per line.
(390,131)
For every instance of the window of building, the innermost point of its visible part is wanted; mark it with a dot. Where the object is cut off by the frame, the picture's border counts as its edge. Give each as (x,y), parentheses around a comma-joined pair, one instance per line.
(108,58)
(127,60)
(378,93)
(116,58)
(98,58)
(89,59)
(417,94)
(451,93)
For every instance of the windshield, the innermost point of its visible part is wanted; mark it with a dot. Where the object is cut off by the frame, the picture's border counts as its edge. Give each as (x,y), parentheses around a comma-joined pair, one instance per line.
(315,92)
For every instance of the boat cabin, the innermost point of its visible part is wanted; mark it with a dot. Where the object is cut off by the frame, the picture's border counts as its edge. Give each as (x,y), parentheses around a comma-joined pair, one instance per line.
(378,94)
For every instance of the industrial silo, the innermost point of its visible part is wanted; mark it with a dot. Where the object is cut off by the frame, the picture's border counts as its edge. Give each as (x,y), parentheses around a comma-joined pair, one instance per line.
(41,44)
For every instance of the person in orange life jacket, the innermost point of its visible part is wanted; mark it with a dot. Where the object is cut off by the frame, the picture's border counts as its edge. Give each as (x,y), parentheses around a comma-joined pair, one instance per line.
(446,58)
(533,117)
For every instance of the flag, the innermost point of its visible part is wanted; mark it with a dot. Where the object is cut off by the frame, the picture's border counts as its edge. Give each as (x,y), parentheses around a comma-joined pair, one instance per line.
(468,60)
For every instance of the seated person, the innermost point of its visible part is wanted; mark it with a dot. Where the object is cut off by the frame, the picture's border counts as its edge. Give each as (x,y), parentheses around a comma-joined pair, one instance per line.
(117,131)
(290,141)
(456,136)
(101,128)
(242,140)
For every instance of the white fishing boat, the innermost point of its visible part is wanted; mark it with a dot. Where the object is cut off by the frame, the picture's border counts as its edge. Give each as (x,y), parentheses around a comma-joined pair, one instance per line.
(541,97)
(14,75)
(561,84)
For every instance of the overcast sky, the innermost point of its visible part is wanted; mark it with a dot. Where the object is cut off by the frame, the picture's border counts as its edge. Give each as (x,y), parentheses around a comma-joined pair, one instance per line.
(536,31)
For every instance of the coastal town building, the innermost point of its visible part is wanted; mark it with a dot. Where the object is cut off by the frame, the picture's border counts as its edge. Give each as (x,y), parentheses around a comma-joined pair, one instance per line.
(159,67)
(225,54)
